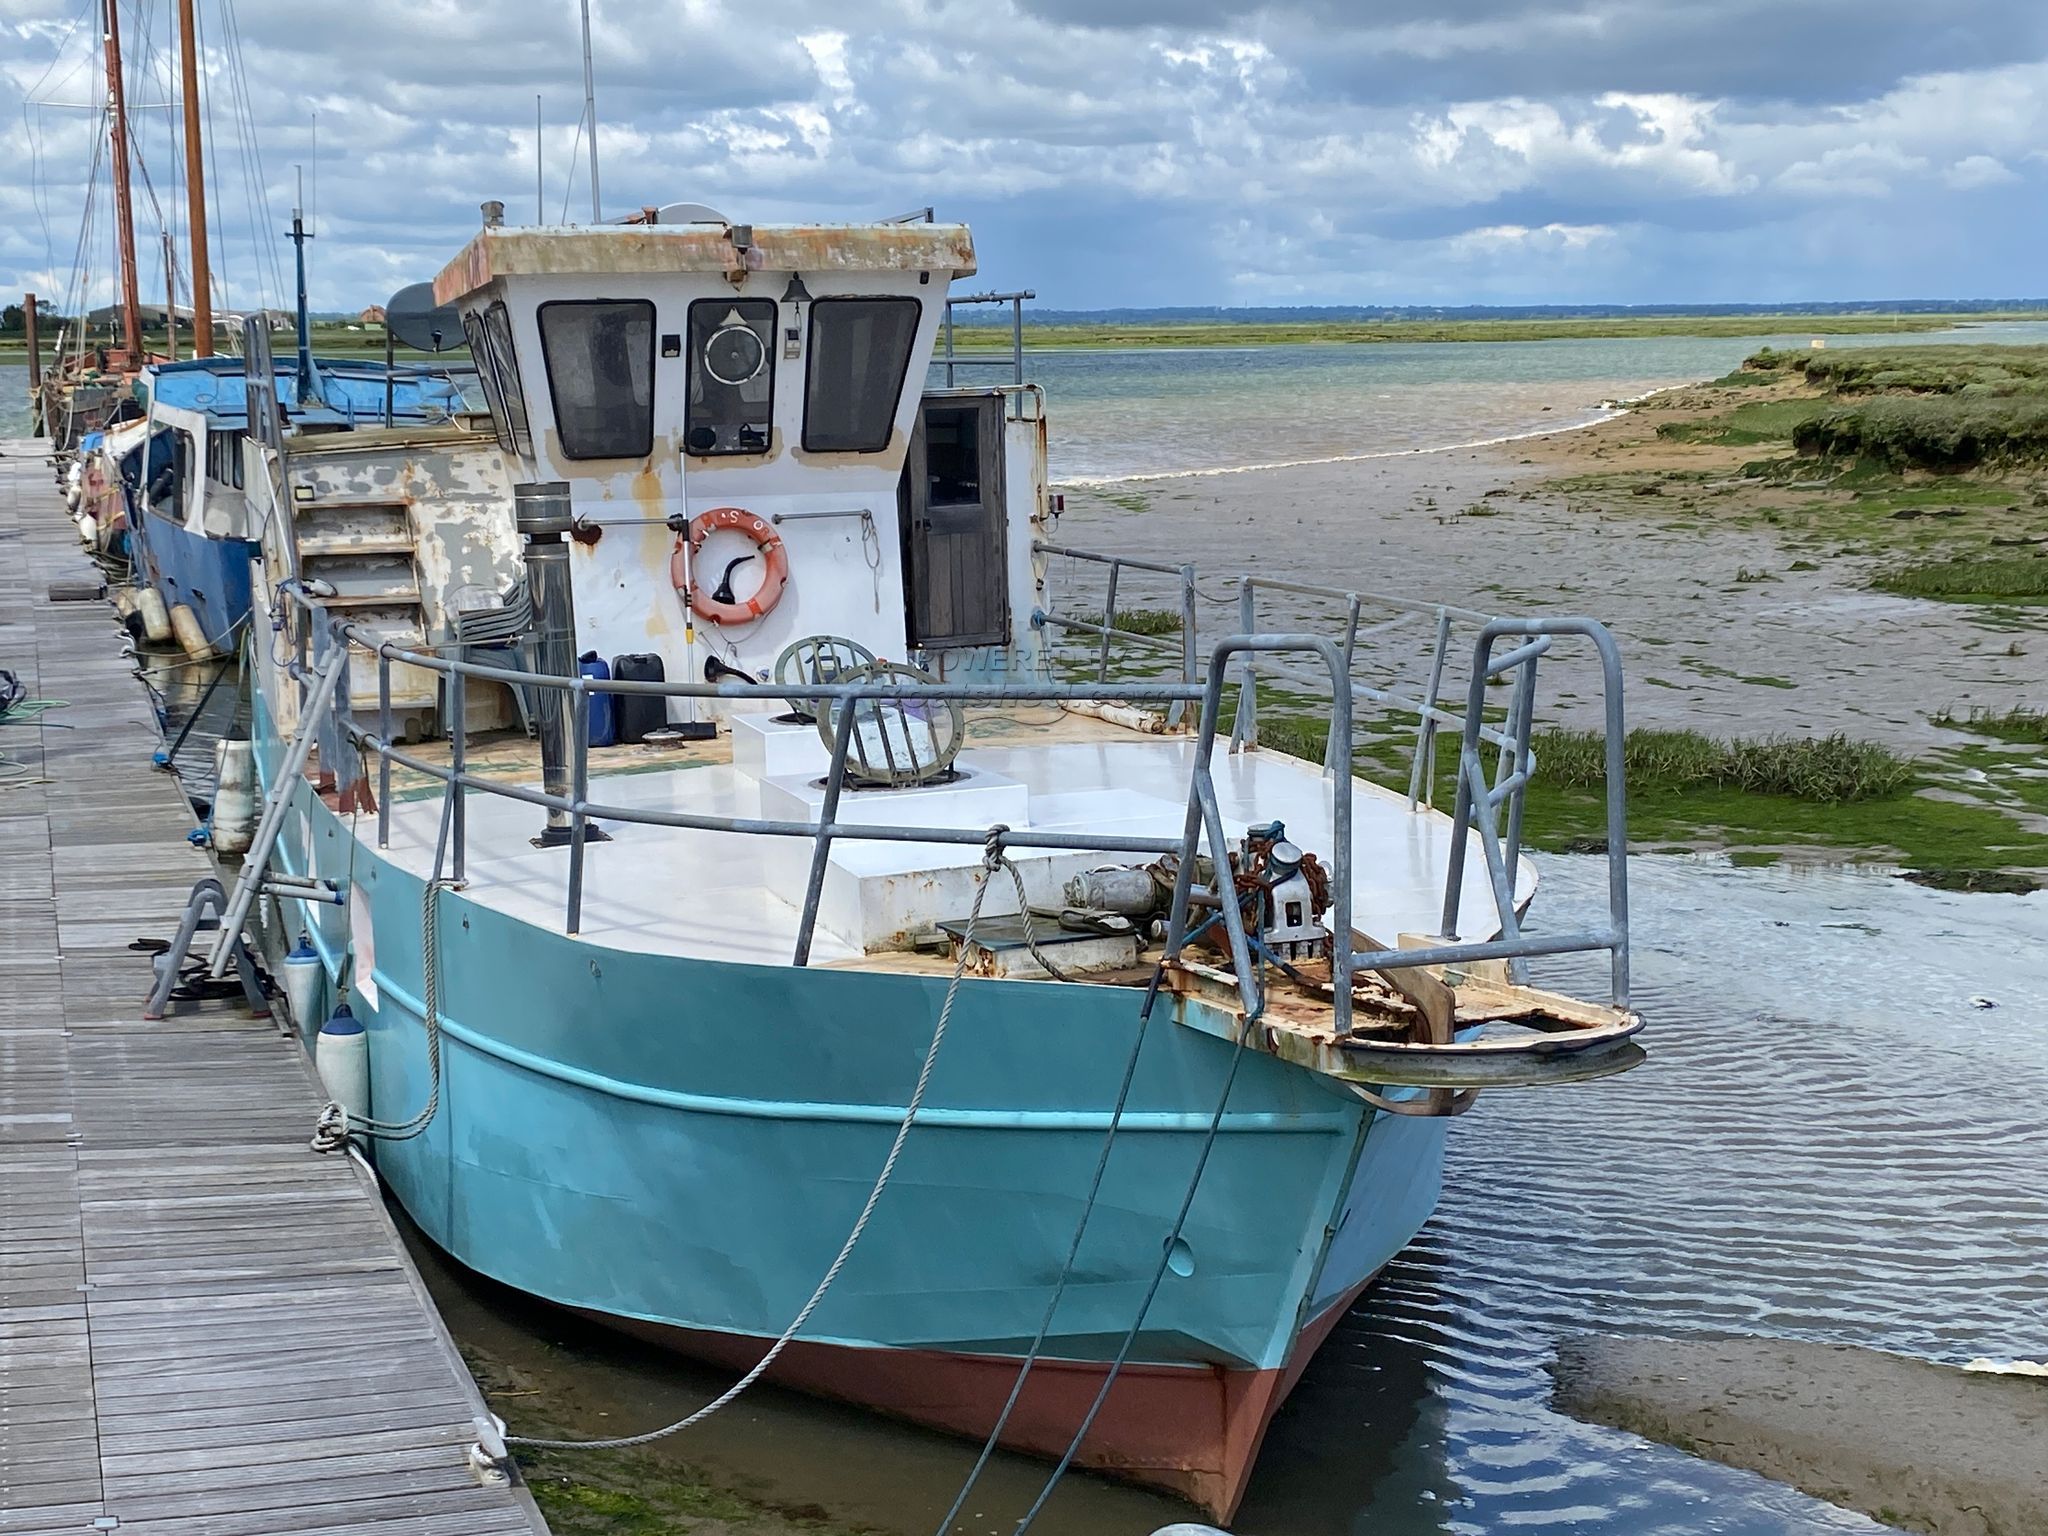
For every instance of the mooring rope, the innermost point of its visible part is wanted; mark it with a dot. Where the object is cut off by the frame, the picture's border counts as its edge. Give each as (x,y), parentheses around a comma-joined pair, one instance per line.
(336,1122)
(992,858)
(1151,1291)
(1059,1290)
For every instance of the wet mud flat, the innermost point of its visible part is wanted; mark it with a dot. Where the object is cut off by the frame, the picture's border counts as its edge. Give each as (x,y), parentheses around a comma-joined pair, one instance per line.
(1726,627)
(1915,1445)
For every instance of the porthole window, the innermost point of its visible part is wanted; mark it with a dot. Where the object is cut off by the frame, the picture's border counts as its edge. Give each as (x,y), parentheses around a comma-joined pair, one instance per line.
(858,355)
(732,377)
(599,355)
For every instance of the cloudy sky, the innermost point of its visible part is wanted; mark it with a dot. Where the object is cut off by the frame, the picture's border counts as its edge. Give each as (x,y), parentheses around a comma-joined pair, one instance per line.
(1120,152)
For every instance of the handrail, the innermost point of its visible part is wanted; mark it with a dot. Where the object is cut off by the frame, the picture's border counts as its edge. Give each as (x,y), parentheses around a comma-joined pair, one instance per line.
(1203,816)
(1479,805)
(949,360)
(1429,714)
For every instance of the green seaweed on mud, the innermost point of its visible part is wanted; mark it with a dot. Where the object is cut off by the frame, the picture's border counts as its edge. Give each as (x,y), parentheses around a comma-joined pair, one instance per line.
(1755,421)
(1971,578)
(627,1493)
(1761,799)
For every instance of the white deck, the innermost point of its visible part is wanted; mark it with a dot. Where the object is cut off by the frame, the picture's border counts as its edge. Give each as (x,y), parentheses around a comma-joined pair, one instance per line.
(735,896)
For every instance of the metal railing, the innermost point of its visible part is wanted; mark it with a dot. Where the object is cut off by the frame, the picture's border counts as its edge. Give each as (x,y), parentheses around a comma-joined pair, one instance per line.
(950,361)
(1481,801)
(1430,715)
(326,714)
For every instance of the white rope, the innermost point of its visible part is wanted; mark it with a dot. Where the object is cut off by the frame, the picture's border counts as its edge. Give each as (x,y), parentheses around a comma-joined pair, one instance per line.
(336,1121)
(991,858)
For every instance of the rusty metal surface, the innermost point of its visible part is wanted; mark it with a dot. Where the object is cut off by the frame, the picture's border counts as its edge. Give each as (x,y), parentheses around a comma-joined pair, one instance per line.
(1551,1039)
(617,250)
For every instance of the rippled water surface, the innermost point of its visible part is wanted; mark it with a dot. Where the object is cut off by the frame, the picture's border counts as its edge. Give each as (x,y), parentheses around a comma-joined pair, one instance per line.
(1829,1141)
(1170,410)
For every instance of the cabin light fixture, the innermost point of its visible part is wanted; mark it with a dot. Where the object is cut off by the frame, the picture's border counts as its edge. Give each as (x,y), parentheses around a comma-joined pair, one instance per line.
(796,295)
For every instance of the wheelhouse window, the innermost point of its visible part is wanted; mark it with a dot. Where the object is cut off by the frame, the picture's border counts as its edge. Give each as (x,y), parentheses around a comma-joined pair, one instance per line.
(732,376)
(497,368)
(599,355)
(858,355)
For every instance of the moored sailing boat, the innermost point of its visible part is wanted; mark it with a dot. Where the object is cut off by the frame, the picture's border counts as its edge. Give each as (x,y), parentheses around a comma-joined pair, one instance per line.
(1054,1079)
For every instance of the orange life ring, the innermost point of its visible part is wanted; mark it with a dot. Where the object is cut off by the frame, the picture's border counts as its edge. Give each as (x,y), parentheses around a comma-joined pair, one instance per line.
(774,560)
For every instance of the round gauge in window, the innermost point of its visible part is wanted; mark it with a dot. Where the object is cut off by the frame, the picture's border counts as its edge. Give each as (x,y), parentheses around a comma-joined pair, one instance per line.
(733,354)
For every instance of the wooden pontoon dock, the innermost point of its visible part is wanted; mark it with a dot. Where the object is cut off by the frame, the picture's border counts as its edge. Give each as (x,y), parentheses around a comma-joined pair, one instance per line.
(205,1327)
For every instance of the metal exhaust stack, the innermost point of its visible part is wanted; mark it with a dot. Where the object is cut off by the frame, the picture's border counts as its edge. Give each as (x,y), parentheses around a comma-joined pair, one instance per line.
(542,511)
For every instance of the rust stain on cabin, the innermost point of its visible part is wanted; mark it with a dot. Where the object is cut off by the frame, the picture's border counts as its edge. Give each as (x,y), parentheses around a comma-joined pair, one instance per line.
(626,250)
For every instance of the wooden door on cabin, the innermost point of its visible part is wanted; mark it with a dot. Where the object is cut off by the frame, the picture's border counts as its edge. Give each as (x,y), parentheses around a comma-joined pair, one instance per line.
(955,533)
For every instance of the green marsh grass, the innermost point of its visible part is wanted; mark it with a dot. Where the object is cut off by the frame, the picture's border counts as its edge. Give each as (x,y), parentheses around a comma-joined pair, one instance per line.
(1969,578)
(1830,770)
(1147,621)
(2020,724)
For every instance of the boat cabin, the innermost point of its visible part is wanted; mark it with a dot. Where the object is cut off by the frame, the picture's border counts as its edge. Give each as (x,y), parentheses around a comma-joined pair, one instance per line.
(742,413)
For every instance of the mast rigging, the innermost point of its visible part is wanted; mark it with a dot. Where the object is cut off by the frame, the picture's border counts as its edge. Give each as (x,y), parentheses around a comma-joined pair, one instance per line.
(195,185)
(124,214)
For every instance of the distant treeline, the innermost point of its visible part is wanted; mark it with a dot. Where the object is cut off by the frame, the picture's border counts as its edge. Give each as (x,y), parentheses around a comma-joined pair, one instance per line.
(1321,314)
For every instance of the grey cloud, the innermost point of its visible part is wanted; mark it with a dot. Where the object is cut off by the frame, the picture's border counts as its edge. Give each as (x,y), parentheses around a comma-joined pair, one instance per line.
(1142,151)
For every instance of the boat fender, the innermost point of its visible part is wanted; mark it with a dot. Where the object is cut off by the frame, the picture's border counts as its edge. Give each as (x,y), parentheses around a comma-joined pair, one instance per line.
(303,974)
(718,604)
(342,1057)
(191,638)
(156,618)
(234,796)
(129,607)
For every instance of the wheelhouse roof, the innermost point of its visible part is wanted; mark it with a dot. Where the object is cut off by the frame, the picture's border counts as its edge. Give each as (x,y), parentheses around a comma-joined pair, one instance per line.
(648,248)
(352,390)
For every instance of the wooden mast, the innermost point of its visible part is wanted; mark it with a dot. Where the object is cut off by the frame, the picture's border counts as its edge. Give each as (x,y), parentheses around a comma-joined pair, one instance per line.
(195,186)
(35,367)
(124,215)
(170,297)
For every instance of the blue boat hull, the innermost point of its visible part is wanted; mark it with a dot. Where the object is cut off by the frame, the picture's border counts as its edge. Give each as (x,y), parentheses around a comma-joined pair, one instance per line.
(681,1145)
(210,576)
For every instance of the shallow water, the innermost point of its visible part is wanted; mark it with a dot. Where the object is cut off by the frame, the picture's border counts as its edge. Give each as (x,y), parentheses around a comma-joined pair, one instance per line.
(1168,411)
(1829,1141)
(1177,409)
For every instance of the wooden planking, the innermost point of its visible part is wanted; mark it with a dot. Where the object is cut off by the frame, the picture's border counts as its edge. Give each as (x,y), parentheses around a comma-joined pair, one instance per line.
(204,1326)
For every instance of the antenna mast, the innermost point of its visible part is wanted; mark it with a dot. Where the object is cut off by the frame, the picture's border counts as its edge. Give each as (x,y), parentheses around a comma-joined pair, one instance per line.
(124,215)
(195,186)
(589,116)
(309,378)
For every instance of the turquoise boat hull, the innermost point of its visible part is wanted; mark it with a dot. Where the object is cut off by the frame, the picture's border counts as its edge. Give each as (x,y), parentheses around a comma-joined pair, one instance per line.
(681,1145)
